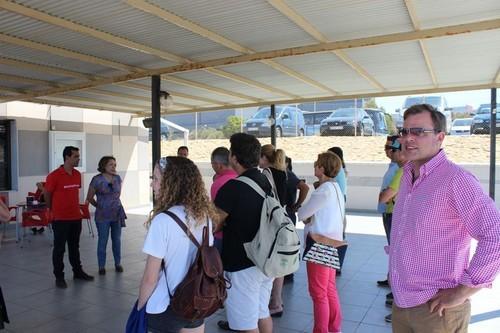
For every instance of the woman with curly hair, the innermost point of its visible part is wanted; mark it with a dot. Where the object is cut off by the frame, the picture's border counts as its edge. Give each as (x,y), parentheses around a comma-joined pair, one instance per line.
(179,189)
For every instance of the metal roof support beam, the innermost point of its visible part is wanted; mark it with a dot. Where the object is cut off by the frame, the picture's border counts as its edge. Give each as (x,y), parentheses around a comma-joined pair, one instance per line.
(322,47)
(352,96)
(50,101)
(79,28)
(305,25)
(59,51)
(208,88)
(117,40)
(493,141)
(204,32)
(156,115)
(412,12)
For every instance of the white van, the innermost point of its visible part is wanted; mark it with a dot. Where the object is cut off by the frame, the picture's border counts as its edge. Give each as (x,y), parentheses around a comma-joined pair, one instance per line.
(438,102)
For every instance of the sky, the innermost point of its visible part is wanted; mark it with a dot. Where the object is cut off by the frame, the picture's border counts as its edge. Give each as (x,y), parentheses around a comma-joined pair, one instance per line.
(471,97)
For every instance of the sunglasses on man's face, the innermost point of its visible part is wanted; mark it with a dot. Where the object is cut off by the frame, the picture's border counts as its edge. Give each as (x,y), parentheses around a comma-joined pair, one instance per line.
(416,131)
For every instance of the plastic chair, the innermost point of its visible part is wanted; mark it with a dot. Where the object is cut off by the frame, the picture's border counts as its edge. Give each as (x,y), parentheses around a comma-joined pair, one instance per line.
(38,217)
(85,211)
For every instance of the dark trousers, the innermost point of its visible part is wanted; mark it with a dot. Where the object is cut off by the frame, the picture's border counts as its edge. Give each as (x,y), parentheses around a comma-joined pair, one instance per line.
(66,232)
(387,219)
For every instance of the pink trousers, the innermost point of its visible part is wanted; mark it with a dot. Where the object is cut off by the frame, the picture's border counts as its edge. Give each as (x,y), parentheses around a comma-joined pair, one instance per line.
(327,313)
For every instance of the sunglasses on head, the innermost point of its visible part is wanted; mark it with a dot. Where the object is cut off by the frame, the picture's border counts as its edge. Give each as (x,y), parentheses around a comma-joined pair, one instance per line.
(162,163)
(416,131)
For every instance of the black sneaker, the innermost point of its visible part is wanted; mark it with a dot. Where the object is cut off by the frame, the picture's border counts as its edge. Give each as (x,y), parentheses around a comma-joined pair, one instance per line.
(388,302)
(83,276)
(102,271)
(389,296)
(61,283)
(119,268)
(388,318)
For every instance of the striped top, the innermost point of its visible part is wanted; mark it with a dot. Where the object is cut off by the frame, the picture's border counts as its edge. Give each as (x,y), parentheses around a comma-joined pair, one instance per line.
(434,221)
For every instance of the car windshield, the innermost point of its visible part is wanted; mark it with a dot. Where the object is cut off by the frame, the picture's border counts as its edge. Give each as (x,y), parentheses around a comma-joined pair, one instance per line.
(265,113)
(435,101)
(462,122)
(345,113)
(412,101)
(483,110)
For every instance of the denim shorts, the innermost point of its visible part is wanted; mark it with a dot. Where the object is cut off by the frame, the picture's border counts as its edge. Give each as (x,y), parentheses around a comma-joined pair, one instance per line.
(169,322)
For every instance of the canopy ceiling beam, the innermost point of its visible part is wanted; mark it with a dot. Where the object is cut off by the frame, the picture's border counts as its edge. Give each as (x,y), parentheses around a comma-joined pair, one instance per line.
(244,80)
(412,12)
(295,51)
(12,90)
(59,51)
(79,28)
(204,32)
(23,79)
(50,101)
(497,77)
(212,89)
(45,69)
(67,73)
(117,40)
(305,25)
(350,96)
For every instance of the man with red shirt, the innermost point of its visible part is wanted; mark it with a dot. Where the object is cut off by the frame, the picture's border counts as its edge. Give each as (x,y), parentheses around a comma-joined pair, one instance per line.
(62,197)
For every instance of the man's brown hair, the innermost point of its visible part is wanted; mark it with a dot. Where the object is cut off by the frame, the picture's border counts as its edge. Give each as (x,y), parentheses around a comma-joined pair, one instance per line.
(438,119)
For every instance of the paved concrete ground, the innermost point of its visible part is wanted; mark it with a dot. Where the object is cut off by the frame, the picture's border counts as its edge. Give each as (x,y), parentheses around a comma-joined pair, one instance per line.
(35,305)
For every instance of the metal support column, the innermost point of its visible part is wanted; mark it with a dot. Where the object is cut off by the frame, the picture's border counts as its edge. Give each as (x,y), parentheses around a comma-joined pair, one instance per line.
(272,118)
(155,115)
(493,141)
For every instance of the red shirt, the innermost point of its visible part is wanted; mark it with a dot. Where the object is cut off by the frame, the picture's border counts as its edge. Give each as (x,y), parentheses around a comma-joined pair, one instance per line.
(65,190)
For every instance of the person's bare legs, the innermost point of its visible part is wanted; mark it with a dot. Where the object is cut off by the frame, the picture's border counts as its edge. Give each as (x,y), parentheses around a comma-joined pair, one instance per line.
(266,324)
(200,329)
(276,304)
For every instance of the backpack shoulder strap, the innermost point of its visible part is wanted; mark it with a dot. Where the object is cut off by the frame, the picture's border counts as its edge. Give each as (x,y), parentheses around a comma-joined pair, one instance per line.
(184,228)
(269,175)
(250,182)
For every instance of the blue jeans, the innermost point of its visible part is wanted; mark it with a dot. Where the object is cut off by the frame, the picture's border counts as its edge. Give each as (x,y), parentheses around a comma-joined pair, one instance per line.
(102,241)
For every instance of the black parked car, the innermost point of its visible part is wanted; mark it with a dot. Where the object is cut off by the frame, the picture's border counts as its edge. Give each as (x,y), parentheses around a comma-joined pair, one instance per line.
(348,121)
(482,119)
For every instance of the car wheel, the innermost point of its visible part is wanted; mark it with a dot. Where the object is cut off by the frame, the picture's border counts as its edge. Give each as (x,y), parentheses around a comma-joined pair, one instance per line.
(301,132)
(279,132)
(164,137)
(361,131)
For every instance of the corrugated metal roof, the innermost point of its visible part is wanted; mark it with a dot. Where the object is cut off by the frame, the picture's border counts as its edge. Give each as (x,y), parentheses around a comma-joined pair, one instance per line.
(456,59)
(253,24)
(396,66)
(268,75)
(440,13)
(348,19)
(135,25)
(330,71)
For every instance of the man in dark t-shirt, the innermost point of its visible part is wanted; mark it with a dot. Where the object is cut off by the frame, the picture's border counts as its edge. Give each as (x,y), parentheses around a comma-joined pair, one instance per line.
(240,208)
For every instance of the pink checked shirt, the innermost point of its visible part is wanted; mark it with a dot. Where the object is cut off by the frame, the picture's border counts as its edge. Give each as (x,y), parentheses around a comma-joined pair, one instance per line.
(433,223)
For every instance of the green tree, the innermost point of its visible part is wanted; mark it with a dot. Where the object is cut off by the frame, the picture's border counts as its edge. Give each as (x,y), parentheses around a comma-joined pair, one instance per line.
(233,125)
(370,103)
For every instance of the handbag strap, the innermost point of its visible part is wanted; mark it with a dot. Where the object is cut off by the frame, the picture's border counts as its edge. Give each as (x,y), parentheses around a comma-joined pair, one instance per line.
(338,201)
(184,228)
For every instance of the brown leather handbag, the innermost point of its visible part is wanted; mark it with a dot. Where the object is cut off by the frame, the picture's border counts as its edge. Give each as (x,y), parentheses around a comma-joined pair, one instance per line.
(203,289)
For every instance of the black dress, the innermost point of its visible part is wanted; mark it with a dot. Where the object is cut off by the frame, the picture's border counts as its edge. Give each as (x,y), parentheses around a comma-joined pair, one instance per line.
(3,311)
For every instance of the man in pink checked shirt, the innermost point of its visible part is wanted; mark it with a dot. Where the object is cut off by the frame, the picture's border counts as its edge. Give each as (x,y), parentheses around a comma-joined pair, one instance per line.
(223,173)
(440,207)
